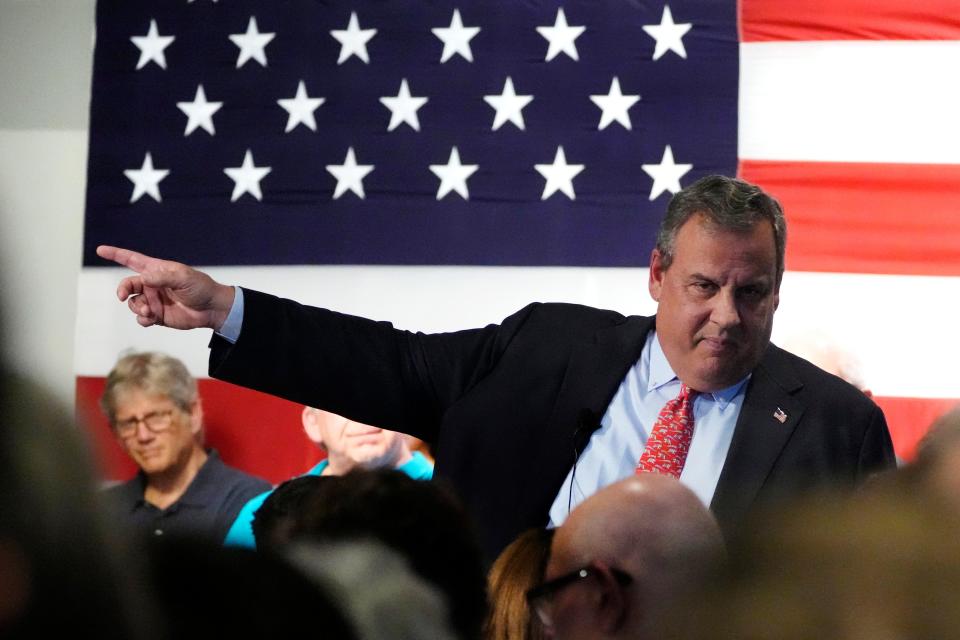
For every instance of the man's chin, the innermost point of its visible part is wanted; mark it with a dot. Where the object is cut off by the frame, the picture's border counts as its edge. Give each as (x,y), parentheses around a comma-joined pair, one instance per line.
(715,378)
(152,467)
(372,461)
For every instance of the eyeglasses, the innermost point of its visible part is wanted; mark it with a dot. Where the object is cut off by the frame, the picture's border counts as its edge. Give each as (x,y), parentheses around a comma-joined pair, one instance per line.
(155,421)
(541,598)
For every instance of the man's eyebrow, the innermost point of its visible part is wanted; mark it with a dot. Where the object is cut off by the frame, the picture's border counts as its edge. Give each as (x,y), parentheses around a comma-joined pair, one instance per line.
(700,276)
(764,279)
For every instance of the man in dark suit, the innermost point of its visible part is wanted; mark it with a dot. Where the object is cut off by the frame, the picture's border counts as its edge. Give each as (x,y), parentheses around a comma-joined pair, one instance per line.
(531,416)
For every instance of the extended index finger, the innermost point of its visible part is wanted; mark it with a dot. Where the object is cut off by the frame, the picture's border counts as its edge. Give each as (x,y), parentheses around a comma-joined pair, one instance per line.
(130,259)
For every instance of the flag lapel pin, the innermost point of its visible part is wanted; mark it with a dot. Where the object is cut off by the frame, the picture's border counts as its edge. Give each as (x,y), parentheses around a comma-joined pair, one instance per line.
(780,415)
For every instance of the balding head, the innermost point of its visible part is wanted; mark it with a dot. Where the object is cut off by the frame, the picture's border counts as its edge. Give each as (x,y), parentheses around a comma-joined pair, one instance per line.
(649,527)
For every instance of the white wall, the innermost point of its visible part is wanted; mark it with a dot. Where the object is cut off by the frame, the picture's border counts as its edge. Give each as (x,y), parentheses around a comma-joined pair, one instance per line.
(46,57)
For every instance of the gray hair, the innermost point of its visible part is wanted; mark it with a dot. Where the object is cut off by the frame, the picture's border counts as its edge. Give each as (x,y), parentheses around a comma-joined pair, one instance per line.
(154,374)
(376,589)
(728,203)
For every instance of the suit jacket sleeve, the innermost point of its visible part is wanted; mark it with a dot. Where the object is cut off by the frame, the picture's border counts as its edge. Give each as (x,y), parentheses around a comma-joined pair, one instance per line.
(362,369)
(876,450)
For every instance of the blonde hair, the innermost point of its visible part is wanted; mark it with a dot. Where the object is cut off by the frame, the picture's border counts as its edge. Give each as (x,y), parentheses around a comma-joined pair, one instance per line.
(517,569)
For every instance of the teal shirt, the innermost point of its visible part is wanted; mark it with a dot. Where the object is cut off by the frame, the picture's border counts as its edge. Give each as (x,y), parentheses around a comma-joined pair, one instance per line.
(241,532)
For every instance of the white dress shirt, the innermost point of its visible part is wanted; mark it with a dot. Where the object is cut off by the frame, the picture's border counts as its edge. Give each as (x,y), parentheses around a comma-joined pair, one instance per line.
(615,448)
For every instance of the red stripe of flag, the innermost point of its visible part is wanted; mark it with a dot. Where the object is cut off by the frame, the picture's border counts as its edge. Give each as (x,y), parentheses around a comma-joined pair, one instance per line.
(866,218)
(912,417)
(804,20)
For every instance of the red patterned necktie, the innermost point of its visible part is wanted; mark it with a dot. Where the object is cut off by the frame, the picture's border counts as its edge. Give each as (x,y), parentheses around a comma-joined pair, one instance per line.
(669,441)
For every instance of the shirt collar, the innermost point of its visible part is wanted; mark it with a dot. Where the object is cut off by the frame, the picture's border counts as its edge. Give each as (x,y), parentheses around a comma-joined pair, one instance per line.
(130,493)
(417,467)
(205,488)
(202,491)
(662,374)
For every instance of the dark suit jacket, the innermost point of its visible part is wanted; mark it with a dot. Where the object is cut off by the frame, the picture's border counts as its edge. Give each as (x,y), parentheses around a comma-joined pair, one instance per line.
(510,407)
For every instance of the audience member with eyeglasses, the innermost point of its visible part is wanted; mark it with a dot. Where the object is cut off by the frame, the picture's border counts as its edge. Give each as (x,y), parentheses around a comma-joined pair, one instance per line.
(181,489)
(625,559)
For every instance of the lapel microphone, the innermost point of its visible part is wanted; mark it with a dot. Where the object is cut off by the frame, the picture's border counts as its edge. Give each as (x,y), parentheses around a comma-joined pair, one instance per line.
(588,421)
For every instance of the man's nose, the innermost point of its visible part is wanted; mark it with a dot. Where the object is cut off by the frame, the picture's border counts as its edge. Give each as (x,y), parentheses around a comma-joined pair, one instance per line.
(725,313)
(143,432)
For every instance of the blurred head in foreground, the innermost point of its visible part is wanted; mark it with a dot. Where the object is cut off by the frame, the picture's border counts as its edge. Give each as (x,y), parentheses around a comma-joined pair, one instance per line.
(884,563)
(625,558)
(62,568)
(275,521)
(207,590)
(422,521)
(377,591)
(938,457)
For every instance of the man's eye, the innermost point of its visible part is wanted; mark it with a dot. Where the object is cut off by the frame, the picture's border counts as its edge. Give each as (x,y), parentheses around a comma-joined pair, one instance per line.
(752,293)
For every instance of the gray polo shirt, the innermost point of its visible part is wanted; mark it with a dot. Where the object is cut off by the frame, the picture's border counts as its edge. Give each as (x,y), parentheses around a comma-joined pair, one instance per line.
(206,509)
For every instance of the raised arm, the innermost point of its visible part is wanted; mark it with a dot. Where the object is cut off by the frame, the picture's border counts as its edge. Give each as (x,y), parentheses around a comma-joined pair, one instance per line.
(170,294)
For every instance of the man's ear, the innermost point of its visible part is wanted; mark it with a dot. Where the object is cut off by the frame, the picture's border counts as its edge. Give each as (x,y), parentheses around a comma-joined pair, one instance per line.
(196,417)
(776,292)
(656,274)
(612,605)
(311,425)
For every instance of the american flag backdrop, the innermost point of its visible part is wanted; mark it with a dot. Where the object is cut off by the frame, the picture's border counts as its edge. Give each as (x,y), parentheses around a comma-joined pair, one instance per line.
(439,164)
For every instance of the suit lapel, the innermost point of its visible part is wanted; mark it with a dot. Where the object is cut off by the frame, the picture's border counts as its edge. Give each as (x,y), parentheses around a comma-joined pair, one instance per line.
(594,372)
(769,415)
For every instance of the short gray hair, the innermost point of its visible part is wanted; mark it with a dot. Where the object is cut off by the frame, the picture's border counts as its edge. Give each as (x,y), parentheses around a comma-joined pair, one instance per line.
(728,203)
(154,374)
(376,589)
